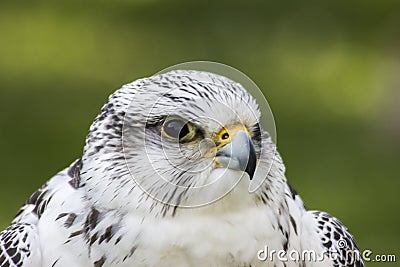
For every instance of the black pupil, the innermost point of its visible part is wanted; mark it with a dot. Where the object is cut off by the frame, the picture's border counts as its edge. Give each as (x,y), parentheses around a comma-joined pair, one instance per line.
(176,129)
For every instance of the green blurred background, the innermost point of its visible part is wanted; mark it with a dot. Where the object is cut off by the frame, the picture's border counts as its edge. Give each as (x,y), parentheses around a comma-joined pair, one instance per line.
(328,68)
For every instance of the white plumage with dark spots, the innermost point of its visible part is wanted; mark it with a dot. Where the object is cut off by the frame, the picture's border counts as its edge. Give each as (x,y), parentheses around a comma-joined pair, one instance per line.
(176,171)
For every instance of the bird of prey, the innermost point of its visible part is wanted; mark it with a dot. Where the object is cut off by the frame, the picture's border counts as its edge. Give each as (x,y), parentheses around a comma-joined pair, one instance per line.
(176,171)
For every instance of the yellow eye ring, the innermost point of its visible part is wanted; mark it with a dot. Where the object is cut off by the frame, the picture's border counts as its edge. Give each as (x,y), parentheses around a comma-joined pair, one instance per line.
(178,129)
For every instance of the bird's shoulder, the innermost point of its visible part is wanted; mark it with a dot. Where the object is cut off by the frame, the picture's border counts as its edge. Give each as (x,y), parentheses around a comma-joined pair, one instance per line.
(63,183)
(19,245)
(321,233)
(336,240)
(19,242)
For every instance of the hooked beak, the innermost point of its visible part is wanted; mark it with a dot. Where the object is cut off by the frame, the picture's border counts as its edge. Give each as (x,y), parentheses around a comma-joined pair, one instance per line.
(238,154)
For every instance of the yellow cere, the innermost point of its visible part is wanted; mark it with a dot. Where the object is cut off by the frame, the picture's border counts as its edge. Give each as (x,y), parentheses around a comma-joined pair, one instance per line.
(226,135)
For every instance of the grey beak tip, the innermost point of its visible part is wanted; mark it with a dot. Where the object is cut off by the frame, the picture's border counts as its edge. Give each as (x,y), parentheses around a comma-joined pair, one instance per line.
(252,161)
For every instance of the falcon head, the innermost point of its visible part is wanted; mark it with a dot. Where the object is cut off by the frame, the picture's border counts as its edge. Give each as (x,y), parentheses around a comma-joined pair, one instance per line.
(183,138)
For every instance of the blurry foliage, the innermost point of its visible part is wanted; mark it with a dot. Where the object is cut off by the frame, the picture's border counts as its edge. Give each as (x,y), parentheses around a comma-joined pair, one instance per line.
(329,70)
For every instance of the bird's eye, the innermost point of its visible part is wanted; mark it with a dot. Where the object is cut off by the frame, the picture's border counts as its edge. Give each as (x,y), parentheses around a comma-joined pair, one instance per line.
(178,129)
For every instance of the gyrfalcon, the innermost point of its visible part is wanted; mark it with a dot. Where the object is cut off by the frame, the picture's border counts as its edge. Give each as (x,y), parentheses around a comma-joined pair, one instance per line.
(176,171)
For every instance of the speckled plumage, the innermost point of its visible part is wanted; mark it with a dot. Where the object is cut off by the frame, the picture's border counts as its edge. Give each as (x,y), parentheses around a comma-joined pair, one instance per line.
(111,207)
